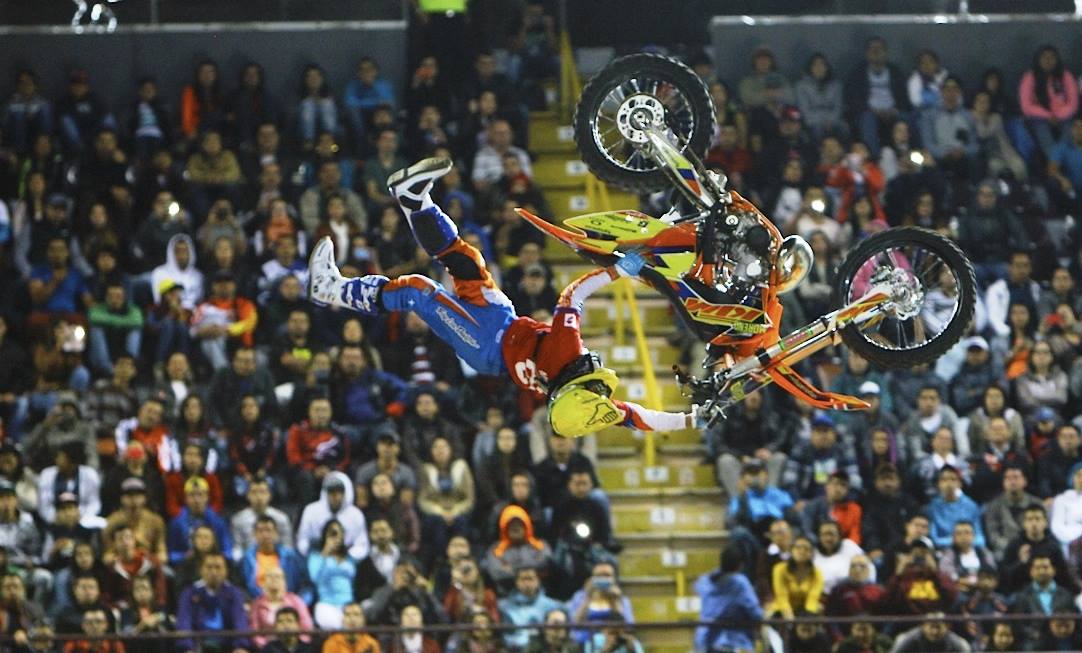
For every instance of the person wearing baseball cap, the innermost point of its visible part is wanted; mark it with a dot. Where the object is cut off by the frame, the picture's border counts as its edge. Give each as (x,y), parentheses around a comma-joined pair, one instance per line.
(812,461)
(224,318)
(149,527)
(69,475)
(758,503)
(133,464)
(196,512)
(783,135)
(862,425)
(976,373)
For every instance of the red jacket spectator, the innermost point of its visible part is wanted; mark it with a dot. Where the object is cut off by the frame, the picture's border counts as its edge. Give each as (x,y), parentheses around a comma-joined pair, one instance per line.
(855,175)
(308,446)
(849,598)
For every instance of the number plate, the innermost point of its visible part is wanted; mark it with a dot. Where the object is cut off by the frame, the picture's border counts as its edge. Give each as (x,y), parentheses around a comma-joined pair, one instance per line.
(632,477)
(565,133)
(662,516)
(578,203)
(624,354)
(673,558)
(659,474)
(636,391)
(575,168)
(688,604)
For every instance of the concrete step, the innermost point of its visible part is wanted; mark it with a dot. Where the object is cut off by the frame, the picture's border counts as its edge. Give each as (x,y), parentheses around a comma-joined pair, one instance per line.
(653,542)
(556,252)
(633,475)
(665,514)
(621,437)
(665,561)
(655,314)
(665,608)
(671,395)
(567,203)
(667,640)
(658,640)
(560,171)
(549,135)
(624,358)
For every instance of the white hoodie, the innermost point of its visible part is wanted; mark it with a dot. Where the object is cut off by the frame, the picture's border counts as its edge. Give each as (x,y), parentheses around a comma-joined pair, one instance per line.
(189,277)
(318,513)
(1067,517)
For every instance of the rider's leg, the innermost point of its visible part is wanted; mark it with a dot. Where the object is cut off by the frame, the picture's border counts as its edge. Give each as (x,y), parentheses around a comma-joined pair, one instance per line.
(327,286)
(438,235)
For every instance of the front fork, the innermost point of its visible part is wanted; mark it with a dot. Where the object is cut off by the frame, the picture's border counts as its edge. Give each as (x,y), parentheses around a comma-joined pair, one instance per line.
(773,364)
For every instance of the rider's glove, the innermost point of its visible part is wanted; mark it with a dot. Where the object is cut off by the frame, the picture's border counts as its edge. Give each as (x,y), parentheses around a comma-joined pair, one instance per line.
(630,264)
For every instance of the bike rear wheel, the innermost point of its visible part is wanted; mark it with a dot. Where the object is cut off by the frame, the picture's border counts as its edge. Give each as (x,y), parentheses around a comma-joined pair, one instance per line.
(934,293)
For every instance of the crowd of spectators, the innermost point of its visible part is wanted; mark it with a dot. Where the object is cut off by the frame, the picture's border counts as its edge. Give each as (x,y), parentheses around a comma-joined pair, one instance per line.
(958,492)
(188,443)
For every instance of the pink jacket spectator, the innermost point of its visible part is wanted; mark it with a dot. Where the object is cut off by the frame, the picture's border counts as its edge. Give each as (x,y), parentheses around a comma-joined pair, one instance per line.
(1064,105)
(261,616)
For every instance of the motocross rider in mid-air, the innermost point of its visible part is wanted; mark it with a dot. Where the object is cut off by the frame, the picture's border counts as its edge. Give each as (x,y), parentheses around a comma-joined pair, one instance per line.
(479,322)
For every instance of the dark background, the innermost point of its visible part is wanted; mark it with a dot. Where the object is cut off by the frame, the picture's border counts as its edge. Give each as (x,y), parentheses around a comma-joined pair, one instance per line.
(117,61)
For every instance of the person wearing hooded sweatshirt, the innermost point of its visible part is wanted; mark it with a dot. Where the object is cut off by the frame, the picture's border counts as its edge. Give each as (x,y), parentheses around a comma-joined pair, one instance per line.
(516,548)
(63,424)
(727,596)
(525,606)
(1067,509)
(335,502)
(179,267)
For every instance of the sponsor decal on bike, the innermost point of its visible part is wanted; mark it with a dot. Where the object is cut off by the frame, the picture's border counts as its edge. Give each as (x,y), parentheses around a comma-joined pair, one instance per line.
(459,330)
(744,319)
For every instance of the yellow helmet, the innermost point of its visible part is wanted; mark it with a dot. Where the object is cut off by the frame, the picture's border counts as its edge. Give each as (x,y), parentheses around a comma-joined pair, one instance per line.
(583,406)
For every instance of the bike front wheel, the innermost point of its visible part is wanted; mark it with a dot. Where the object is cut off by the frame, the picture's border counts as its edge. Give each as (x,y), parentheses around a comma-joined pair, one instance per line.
(933,294)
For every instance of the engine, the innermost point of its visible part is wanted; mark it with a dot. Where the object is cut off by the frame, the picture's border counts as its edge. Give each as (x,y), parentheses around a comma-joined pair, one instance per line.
(744,247)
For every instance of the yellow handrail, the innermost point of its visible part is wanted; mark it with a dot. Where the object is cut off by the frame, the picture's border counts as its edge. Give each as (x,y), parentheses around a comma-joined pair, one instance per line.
(570,82)
(597,195)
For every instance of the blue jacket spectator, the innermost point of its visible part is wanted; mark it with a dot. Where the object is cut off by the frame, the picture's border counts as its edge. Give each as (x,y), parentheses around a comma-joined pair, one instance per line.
(195,513)
(56,286)
(212,603)
(361,394)
(758,503)
(951,506)
(727,596)
(364,93)
(526,605)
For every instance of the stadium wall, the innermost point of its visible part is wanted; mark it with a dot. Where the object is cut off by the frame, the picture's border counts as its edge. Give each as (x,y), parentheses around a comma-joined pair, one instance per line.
(965,47)
(116,61)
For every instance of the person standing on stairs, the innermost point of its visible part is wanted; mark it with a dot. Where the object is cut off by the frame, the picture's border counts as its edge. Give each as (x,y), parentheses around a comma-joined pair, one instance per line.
(480,323)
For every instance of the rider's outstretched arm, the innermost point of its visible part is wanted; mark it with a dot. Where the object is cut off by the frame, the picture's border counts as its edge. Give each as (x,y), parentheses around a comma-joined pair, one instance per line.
(575,294)
(646,419)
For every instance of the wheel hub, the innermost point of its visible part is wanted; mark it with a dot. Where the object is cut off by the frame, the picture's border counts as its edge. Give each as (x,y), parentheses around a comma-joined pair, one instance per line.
(906,294)
(636,114)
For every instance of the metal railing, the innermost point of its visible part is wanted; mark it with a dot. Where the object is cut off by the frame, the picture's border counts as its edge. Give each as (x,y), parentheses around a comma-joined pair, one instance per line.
(769,630)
